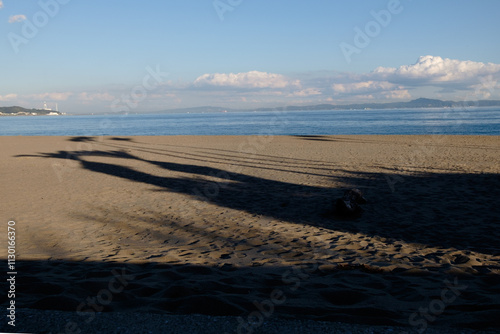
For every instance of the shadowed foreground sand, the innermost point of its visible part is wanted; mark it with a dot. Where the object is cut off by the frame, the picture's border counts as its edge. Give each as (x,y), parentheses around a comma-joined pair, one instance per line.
(243,226)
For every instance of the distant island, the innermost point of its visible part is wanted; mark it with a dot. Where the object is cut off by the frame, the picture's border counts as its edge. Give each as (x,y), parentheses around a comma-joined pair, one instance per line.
(20,111)
(418,103)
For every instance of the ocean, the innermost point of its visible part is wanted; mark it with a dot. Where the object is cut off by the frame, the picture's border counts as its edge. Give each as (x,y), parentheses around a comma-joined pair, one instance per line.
(470,121)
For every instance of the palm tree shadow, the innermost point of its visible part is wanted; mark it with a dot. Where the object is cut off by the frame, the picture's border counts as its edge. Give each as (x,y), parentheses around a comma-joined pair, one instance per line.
(281,200)
(439,210)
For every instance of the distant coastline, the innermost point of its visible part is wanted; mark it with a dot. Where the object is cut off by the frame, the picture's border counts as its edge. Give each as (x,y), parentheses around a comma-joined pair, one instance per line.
(20,111)
(414,104)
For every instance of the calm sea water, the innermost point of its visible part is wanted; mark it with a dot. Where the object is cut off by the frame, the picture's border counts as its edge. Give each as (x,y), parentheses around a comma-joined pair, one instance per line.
(480,121)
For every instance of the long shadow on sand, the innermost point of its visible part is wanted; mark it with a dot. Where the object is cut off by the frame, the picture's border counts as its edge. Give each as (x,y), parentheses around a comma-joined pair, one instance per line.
(435,209)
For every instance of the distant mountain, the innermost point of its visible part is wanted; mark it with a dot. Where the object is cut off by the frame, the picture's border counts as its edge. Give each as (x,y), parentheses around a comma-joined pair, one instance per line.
(20,111)
(418,103)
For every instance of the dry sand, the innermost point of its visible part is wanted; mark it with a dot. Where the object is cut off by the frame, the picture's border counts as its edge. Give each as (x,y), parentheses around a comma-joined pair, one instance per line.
(243,227)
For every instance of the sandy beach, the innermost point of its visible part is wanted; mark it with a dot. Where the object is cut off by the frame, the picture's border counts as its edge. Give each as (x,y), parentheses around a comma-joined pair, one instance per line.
(243,226)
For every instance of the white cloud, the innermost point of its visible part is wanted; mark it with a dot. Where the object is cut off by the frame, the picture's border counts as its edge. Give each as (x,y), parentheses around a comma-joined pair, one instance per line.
(438,70)
(8,97)
(371,90)
(362,87)
(56,96)
(252,79)
(1,4)
(17,18)
(398,94)
(307,92)
(486,87)
(430,76)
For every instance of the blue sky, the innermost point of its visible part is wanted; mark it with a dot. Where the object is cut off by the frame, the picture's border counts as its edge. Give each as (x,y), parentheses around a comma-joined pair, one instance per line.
(103,56)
